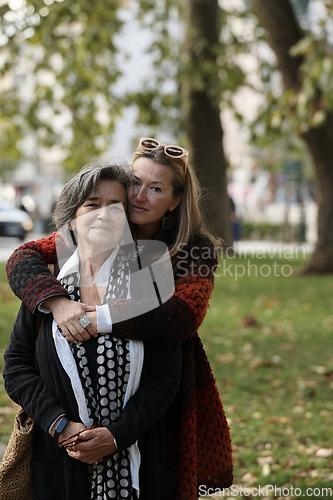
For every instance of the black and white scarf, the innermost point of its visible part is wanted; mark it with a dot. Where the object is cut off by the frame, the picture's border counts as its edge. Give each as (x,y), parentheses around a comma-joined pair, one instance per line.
(103,365)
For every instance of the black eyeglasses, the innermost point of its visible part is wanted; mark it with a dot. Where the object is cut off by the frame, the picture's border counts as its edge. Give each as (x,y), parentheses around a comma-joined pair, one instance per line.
(170,150)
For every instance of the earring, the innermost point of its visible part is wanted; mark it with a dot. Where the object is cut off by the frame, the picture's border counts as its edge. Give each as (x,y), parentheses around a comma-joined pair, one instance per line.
(169,222)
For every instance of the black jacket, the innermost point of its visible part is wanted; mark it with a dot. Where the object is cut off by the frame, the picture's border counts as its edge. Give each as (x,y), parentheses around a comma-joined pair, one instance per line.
(46,394)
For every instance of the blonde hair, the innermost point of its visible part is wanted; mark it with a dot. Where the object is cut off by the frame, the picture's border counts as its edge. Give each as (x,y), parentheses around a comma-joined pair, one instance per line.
(190,222)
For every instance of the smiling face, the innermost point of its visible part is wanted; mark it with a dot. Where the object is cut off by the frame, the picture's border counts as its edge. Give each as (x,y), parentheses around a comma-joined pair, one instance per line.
(99,221)
(151,197)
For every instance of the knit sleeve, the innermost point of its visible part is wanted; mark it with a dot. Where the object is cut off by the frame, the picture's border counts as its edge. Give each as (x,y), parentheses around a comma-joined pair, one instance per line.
(177,319)
(28,274)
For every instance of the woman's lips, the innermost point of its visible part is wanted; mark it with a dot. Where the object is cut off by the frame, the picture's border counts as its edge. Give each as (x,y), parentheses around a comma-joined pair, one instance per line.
(102,228)
(139,209)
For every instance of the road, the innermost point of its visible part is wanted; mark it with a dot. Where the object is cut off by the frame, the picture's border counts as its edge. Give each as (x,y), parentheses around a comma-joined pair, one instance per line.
(8,245)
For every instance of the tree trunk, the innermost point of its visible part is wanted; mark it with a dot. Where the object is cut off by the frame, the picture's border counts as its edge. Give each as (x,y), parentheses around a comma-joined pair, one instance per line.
(202,113)
(283,31)
(320,144)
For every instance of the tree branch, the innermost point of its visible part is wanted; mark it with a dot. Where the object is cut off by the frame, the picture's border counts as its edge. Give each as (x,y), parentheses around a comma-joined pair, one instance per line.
(283,31)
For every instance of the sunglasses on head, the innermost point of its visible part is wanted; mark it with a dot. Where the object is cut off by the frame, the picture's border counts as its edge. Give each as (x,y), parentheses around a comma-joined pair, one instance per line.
(170,150)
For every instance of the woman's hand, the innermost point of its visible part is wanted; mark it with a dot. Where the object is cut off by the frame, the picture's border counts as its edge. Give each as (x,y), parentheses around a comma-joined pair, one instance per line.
(70,429)
(94,445)
(67,314)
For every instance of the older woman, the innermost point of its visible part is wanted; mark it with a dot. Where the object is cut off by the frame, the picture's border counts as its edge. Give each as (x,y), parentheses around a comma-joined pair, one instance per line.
(117,384)
(163,206)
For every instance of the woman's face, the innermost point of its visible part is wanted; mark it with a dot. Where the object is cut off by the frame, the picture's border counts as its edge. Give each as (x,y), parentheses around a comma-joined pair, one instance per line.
(100,220)
(151,197)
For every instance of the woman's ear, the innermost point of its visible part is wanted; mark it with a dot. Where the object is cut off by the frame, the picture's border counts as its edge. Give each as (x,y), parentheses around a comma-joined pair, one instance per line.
(177,199)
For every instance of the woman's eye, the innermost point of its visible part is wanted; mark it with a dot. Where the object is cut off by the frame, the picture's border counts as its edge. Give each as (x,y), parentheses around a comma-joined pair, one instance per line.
(156,189)
(136,184)
(116,208)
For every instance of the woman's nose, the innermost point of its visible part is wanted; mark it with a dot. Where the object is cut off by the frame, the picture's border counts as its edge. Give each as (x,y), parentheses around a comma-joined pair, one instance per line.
(140,194)
(103,213)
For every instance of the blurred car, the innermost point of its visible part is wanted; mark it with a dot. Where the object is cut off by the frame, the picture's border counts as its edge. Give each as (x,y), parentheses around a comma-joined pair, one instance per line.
(13,221)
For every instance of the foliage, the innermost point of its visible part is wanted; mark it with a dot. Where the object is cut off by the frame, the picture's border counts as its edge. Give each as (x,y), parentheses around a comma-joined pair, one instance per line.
(60,67)
(160,100)
(58,61)
(61,61)
(315,98)
(285,115)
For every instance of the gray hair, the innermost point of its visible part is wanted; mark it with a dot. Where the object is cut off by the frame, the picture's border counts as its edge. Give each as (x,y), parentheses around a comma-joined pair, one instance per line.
(77,190)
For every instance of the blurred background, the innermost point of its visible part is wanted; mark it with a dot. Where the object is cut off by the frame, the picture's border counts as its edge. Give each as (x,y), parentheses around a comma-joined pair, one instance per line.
(245,85)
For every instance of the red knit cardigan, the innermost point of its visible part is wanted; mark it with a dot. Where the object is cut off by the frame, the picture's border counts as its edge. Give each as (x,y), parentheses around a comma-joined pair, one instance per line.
(198,440)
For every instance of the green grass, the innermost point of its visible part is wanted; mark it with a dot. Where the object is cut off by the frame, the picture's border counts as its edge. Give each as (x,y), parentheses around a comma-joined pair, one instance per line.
(269,341)
(9,305)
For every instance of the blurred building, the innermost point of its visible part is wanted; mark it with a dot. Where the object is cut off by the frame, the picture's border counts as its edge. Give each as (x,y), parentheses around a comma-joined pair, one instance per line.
(257,194)
(261,196)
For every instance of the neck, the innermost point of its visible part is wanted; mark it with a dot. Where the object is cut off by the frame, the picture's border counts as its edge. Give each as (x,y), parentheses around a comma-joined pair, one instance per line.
(147,232)
(93,262)
(89,292)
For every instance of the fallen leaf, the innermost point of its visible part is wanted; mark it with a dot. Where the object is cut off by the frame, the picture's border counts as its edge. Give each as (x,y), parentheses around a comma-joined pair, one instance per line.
(5,410)
(249,478)
(225,358)
(279,420)
(249,321)
(325,413)
(324,452)
(265,460)
(266,470)
(310,450)
(232,409)
(318,369)
(298,409)
(303,384)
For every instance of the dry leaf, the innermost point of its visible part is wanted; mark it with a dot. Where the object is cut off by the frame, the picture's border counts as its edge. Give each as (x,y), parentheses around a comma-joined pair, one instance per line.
(225,358)
(249,321)
(249,478)
(308,451)
(266,470)
(318,369)
(279,420)
(324,452)
(265,460)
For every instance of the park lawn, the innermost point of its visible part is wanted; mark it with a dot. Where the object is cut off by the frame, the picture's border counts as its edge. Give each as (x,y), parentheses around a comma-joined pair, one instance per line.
(269,341)
(9,305)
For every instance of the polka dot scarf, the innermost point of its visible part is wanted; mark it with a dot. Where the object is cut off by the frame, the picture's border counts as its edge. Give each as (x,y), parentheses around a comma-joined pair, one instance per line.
(104,365)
